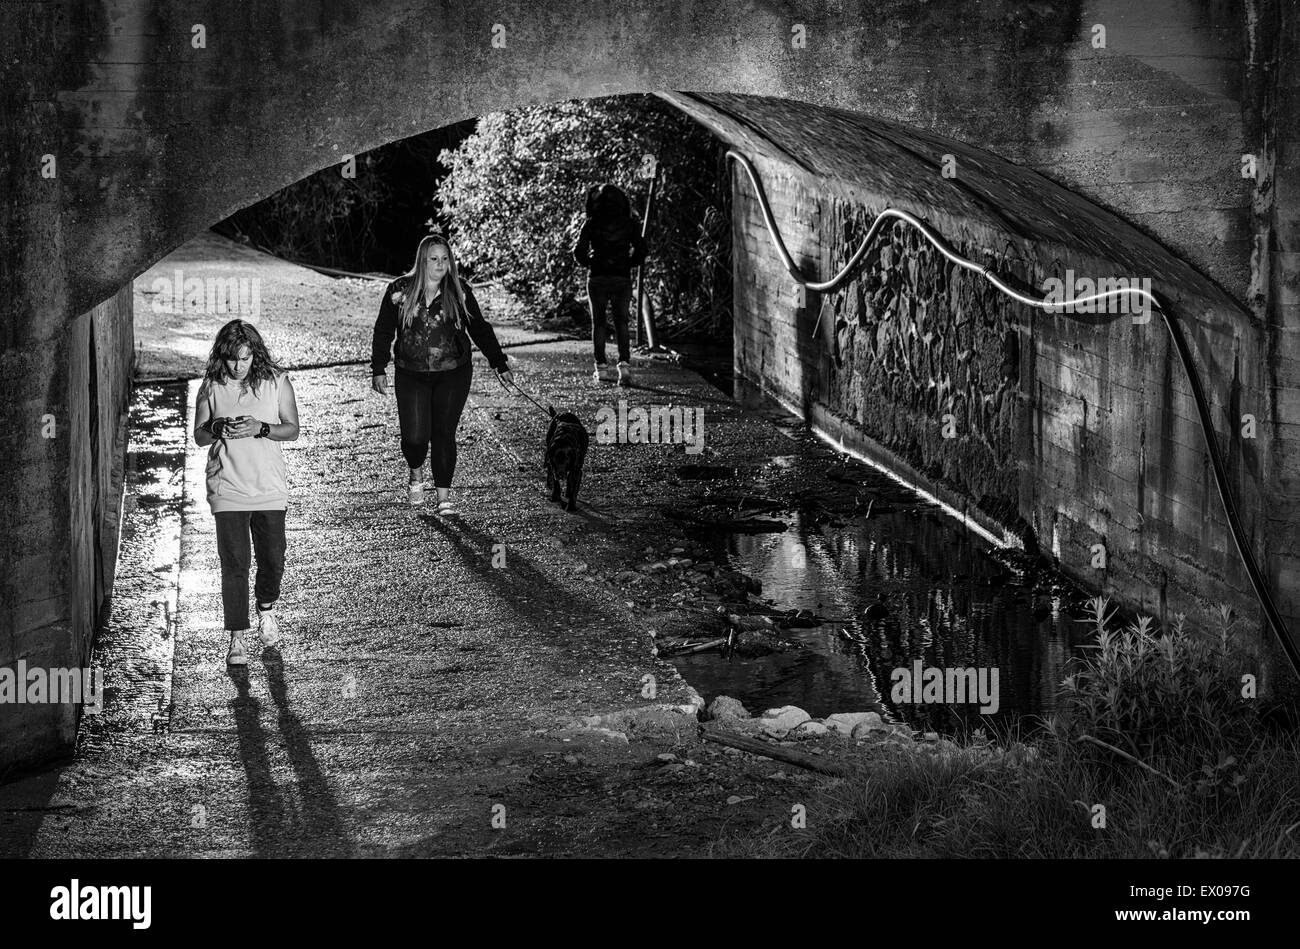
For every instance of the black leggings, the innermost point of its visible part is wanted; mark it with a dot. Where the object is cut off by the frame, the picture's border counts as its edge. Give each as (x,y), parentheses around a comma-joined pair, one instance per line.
(234,529)
(615,293)
(428,410)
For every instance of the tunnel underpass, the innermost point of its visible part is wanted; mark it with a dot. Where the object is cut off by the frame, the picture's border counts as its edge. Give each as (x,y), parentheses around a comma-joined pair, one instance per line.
(1053,434)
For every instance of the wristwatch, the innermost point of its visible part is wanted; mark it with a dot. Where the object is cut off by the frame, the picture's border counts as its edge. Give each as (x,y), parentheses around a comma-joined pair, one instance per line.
(265,430)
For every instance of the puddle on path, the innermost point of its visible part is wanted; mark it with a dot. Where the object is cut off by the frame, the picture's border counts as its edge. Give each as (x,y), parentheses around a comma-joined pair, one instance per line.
(899,587)
(901,582)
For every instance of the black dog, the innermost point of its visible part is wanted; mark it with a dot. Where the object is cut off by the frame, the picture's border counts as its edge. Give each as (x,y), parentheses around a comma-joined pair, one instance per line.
(566,450)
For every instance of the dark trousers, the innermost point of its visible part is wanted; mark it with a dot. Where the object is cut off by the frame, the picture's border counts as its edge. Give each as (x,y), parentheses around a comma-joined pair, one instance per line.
(603,292)
(428,410)
(234,529)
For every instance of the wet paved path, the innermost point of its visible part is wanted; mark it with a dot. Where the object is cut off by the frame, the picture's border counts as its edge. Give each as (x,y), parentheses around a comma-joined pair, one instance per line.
(422,688)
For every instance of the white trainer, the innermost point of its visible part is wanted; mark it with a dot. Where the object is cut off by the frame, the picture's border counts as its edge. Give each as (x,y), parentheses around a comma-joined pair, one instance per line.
(238,655)
(624,374)
(415,492)
(268,628)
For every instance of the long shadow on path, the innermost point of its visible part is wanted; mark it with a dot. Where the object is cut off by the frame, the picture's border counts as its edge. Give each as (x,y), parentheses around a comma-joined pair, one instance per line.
(520,584)
(315,828)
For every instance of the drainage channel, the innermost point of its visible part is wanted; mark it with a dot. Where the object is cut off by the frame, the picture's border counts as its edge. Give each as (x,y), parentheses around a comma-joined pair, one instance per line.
(889,587)
(134,646)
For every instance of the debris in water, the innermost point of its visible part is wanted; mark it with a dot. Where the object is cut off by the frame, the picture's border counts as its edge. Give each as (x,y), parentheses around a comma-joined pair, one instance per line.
(877,610)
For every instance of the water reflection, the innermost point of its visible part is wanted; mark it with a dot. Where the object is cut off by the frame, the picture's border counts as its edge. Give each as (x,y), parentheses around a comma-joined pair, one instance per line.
(898,587)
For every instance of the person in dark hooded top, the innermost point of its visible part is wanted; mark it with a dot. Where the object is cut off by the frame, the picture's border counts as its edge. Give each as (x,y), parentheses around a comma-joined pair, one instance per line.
(610,245)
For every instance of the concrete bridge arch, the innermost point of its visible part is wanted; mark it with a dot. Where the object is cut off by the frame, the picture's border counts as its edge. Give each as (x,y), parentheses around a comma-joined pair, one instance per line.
(163,118)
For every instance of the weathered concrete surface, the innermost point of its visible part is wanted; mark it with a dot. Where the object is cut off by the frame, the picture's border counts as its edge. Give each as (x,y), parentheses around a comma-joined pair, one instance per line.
(61,494)
(124,135)
(1148,124)
(1070,432)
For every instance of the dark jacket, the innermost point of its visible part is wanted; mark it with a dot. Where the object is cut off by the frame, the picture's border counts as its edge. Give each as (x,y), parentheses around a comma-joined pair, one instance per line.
(429,344)
(610,249)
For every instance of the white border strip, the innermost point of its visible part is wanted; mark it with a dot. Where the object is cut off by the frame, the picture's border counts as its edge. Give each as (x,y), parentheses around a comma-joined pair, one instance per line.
(1005,541)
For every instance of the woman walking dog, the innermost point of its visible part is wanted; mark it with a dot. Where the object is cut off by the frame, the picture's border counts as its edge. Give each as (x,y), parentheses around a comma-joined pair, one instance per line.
(433,314)
(610,243)
(244,409)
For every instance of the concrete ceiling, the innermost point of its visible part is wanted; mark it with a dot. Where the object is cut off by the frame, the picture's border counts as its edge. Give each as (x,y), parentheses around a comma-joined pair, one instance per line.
(866,159)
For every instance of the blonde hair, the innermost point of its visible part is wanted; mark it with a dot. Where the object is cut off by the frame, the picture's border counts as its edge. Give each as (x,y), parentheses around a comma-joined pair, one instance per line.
(453,298)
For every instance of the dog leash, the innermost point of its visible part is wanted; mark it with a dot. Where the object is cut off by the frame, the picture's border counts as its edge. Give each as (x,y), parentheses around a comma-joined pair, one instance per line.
(549,413)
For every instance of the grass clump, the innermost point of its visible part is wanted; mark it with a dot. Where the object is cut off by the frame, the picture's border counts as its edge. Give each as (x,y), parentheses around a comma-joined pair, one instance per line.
(1153,729)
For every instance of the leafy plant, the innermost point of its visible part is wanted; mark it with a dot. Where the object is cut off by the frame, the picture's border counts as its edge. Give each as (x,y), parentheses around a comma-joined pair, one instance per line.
(1159,695)
(516,192)
(1172,700)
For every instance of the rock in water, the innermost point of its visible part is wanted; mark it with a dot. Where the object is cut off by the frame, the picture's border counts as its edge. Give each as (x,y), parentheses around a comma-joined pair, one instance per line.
(724,707)
(778,721)
(845,722)
(888,730)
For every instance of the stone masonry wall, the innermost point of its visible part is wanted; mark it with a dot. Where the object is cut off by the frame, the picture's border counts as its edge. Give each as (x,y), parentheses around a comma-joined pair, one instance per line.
(1069,432)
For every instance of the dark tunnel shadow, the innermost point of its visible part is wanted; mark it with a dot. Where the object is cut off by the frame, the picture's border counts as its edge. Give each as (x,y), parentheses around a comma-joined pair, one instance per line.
(314,828)
(25,796)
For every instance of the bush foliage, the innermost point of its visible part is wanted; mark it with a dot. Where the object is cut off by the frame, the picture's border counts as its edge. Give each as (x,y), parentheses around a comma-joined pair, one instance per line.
(515,195)
(1156,696)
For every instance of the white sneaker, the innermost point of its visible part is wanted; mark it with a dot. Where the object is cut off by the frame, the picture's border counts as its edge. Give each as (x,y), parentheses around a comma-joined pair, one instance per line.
(602,373)
(415,492)
(238,655)
(268,628)
(624,374)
